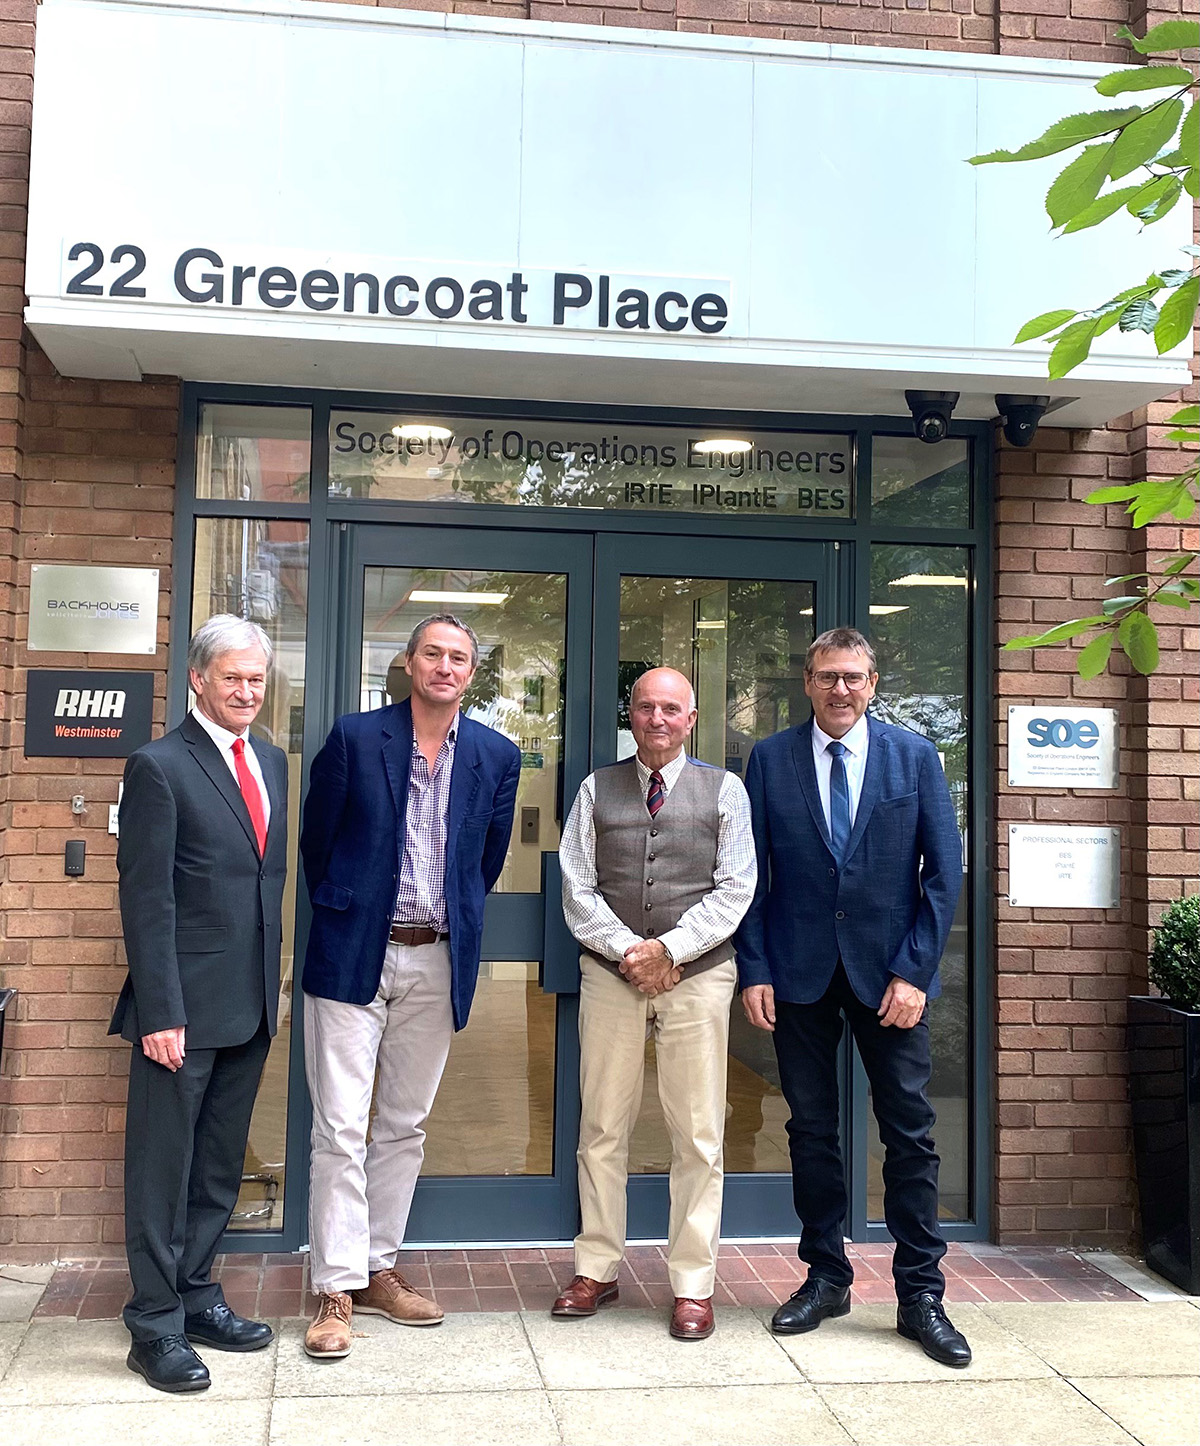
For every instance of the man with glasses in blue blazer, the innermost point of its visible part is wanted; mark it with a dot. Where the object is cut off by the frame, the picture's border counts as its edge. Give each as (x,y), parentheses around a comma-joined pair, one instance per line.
(859,872)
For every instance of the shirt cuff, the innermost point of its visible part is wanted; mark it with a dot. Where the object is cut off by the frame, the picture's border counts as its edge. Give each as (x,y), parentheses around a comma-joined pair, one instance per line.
(674,941)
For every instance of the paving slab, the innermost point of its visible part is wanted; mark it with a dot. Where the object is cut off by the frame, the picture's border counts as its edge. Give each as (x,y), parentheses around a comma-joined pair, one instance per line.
(864,1346)
(460,1418)
(18,1298)
(183,1421)
(971,1413)
(10,1338)
(701,1415)
(1158,1410)
(631,1348)
(1113,1338)
(65,1362)
(28,1274)
(482,1351)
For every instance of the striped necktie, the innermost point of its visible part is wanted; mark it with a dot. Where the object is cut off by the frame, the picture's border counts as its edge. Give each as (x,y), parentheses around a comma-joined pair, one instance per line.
(655,797)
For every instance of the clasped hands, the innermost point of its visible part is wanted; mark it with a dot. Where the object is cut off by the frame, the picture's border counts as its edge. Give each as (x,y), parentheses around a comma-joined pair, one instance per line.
(649,967)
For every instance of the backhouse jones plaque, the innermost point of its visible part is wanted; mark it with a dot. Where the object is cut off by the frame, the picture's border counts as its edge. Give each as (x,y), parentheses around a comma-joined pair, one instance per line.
(71,714)
(93,609)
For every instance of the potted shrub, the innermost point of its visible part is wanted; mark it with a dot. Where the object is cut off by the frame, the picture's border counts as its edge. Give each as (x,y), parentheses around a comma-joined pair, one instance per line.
(1164,1083)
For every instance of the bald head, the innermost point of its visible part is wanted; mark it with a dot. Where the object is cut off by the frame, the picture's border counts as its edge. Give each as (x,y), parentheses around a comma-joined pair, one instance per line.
(662,712)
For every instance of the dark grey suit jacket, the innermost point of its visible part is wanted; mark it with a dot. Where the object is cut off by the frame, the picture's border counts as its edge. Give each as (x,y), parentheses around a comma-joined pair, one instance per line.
(201,912)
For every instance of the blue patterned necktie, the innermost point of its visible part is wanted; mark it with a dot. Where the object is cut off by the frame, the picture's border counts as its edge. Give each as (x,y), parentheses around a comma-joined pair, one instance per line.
(839,802)
(654,795)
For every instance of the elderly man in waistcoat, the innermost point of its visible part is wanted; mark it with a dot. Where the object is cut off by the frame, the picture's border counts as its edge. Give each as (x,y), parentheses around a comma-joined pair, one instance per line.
(658,868)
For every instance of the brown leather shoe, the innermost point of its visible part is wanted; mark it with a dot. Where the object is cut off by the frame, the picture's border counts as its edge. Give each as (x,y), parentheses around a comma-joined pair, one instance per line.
(389,1294)
(328,1337)
(692,1320)
(584,1296)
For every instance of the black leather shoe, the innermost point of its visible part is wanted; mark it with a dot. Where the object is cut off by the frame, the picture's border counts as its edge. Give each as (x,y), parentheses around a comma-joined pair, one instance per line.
(815,1301)
(925,1321)
(168,1364)
(220,1328)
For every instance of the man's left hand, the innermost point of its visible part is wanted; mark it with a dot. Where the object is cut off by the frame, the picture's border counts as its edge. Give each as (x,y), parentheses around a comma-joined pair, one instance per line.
(902,1005)
(649,967)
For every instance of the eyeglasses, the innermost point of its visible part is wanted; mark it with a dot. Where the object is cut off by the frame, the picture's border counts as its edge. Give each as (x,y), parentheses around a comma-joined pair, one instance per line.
(827,679)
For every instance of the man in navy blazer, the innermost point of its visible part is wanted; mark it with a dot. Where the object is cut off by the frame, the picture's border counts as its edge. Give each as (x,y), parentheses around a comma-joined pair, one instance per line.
(859,872)
(405,830)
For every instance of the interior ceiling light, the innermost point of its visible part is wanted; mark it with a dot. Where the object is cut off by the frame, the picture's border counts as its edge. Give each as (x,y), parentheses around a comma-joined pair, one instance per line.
(422,432)
(714,623)
(928,579)
(882,610)
(482,599)
(723,444)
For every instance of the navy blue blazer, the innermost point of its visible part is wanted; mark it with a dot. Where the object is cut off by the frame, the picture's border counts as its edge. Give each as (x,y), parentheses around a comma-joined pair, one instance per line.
(352,844)
(888,910)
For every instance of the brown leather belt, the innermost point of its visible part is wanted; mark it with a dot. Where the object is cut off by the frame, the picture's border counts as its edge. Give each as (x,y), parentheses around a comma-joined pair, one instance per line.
(414,935)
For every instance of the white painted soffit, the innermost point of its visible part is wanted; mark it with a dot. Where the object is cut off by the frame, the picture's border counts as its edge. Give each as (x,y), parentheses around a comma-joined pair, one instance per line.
(818,193)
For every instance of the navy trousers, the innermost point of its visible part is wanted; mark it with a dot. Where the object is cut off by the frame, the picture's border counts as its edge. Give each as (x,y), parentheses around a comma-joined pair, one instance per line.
(898,1066)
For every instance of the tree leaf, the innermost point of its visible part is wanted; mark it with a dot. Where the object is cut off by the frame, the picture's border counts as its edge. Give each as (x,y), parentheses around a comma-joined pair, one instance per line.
(1143,77)
(1185,505)
(1072,130)
(1139,638)
(1063,632)
(1120,493)
(1178,315)
(1040,325)
(1141,315)
(1172,598)
(1183,434)
(1101,209)
(1143,138)
(1071,348)
(1174,277)
(1161,202)
(1178,562)
(1093,659)
(1078,183)
(1186,416)
(1128,577)
(1191,181)
(1160,39)
(1112,605)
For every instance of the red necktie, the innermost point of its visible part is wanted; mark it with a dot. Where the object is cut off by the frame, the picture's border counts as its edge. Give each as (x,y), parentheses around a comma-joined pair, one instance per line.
(250,792)
(654,795)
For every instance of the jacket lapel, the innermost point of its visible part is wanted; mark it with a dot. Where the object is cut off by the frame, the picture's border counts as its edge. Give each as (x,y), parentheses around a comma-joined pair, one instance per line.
(806,772)
(397,758)
(276,794)
(877,748)
(464,780)
(208,756)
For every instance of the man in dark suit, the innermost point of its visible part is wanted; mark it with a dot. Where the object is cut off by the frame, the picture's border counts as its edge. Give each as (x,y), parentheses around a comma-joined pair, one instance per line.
(202,856)
(859,872)
(406,827)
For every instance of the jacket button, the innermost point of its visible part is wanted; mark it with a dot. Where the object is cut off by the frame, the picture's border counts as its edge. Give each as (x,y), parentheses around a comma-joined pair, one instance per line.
(839,915)
(833,873)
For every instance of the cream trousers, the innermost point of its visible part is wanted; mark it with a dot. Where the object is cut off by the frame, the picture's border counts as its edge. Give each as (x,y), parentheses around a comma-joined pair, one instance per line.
(690,1027)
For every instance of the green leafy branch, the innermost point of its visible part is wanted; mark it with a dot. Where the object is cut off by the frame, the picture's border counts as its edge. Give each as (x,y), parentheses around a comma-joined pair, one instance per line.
(1159,145)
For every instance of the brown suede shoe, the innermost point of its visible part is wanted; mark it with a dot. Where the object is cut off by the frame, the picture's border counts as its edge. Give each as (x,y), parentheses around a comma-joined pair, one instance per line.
(389,1294)
(584,1296)
(328,1337)
(692,1320)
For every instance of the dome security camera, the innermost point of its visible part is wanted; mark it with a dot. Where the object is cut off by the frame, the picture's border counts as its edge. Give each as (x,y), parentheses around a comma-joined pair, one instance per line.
(931,412)
(1019,416)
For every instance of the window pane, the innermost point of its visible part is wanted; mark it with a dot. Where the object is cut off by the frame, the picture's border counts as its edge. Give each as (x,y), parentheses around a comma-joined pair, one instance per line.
(253,454)
(520,619)
(632,468)
(920,484)
(920,628)
(259,569)
(742,645)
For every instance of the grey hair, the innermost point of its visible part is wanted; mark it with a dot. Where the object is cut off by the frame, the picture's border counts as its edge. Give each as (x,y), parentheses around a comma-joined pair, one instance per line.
(839,640)
(451,621)
(224,633)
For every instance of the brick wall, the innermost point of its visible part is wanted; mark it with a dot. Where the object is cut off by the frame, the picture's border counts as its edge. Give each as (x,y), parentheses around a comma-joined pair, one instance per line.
(86,476)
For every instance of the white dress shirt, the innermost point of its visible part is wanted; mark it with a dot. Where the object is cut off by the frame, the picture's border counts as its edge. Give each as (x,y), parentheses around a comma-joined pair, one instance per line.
(704,925)
(223,738)
(856,742)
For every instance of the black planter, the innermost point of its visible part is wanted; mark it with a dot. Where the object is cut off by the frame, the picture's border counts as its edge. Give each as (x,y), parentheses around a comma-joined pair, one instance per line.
(1164,1089)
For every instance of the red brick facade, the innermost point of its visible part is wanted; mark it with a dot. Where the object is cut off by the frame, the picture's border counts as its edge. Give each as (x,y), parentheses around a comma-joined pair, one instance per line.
(86,475)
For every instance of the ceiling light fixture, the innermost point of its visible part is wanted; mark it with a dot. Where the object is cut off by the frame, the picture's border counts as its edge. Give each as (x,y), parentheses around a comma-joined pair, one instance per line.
(480,599)
(723,444)
(881,610)
(928,579)
(422,432)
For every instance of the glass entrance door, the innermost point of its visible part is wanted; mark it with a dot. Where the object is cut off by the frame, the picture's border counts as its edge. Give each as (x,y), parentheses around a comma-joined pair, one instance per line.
(566,622)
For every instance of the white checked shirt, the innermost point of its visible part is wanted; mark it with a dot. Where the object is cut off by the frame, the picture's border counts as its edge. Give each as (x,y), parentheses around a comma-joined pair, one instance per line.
(856,741)
(704,925)
(224,740)
(421,894)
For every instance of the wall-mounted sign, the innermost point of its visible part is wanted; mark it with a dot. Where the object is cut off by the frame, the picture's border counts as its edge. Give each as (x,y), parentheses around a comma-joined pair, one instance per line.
(86,714)
(93,609)
(1064,868)
(1054,747)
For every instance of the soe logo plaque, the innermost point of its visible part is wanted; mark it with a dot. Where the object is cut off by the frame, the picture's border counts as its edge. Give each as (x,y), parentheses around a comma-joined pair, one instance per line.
(1050,746)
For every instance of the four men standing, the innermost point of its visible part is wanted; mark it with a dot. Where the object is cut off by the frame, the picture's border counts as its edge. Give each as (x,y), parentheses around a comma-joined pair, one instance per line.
(844,888)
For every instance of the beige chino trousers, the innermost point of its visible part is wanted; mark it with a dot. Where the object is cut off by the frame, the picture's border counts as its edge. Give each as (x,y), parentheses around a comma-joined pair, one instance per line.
(360,1194)
(690,1028)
